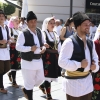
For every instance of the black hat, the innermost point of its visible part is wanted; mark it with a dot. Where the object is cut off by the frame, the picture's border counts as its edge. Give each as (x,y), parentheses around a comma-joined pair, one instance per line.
(30,16)
(79,18)
(1,12)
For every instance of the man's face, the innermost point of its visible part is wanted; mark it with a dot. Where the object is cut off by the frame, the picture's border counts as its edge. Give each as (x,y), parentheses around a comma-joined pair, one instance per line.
(32,23)
(57,23)
(2,18)
(85,26)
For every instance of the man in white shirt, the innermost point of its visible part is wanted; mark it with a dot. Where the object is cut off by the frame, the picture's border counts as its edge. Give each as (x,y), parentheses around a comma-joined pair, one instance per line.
(79,58)
(30,44)
(57,27)
(4,51)
(23,24)
(92,30)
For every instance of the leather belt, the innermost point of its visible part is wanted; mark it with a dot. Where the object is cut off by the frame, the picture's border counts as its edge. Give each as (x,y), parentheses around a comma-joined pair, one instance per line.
(3,45)
(76,77)
(37,56)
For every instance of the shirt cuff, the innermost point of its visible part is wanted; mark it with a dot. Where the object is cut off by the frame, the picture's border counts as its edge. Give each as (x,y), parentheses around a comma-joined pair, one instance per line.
(78,64)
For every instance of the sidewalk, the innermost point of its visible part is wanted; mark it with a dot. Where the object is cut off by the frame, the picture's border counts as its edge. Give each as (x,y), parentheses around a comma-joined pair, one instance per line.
(17,94)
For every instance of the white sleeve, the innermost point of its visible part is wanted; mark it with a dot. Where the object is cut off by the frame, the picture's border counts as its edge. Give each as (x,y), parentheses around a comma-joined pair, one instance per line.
(43,38)
(95,58)
(20,44)
(65,55)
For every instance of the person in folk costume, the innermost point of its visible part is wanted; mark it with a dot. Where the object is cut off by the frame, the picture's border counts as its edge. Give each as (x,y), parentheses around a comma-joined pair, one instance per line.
(78,56)
(22,25)
(4,50)
(96,76)
(50,57)
(14,54)
(97,32)
(31,45)
(93,29)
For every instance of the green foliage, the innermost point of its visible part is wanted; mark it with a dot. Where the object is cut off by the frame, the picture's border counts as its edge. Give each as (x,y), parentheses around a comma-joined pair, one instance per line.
(7,8)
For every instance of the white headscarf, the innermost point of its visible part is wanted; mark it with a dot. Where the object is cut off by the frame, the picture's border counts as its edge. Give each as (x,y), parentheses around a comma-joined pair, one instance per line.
(45,23)
(97,34)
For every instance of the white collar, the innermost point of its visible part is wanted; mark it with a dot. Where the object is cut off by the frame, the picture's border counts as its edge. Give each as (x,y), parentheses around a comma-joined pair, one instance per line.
(3,27)
(32,32)
(80,37)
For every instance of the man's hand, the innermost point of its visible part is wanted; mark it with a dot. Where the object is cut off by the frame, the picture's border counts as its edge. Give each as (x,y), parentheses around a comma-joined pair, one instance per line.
(3,41)
(33,48)
(93,66)
(46,45)
(43,49)
(84,63)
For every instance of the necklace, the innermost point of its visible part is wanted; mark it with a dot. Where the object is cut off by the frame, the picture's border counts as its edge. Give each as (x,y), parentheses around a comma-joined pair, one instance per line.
(55,41)
(51,35)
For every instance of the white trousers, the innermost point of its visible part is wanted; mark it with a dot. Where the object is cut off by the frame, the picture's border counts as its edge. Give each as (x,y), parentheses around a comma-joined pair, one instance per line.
(32,78)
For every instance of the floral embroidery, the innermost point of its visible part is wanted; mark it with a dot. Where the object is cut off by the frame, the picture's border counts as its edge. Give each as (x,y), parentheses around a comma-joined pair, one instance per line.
(18,59)
(97,79)
(12,63)
(97,87)
(45,72)
(47,56)
(96,91)
(15,58)
(48,63)
(12,55)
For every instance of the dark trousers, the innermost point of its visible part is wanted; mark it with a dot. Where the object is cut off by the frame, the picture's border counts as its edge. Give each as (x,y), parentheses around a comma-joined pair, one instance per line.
(1,81)
(85,97)
(4,68)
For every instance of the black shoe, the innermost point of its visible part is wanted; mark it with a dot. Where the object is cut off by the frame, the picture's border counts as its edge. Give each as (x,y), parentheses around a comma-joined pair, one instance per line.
(24,91)
(49,97)
(42,89)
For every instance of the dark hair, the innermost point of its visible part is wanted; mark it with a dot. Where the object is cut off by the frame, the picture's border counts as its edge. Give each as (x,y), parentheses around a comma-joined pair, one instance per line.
(23,18)
(68,22)
(61,20)
(93,21)
(2,12)
(5,16)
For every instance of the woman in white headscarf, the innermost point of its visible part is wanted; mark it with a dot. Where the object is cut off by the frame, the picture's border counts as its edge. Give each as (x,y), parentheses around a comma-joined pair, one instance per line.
(97,33)
(14,54)
(50,57)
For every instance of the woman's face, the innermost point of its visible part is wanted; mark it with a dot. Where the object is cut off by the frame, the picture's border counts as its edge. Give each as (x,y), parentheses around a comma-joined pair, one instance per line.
(51,25)
(71,24)
(16,23)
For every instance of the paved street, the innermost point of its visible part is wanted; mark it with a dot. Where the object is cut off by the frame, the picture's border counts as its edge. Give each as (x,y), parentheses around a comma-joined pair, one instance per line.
(16,94)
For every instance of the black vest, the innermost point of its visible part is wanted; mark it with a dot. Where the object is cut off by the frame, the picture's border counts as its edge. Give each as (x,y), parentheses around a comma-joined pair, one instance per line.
(48,41)
(79,53)
(29,41)
(1,34)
